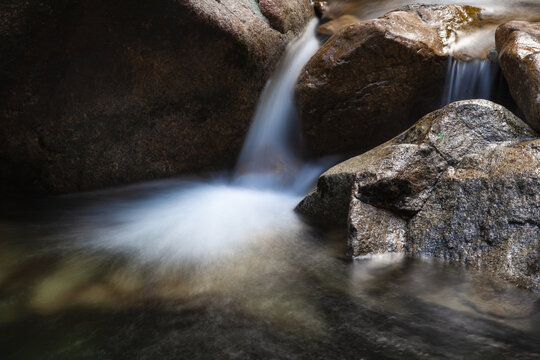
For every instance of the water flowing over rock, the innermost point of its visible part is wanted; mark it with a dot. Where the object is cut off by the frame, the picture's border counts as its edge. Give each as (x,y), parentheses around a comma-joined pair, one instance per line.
(373,78)
(99,93)
(518,44)
(465,80)
(405,196)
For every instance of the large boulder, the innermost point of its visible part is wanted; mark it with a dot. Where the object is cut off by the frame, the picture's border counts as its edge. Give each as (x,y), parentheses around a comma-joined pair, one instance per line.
(372,79)
(399,174)
(518,44)
(96,93)
(455,177)
(485,212)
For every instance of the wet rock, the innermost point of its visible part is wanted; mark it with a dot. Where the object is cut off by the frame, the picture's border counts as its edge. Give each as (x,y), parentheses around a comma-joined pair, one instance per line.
(99,93)
(374,231)
(333,26)
(320,8)
(518,44)
(485,212)
(328,204)
(399,175)
(461,184)
(372,79)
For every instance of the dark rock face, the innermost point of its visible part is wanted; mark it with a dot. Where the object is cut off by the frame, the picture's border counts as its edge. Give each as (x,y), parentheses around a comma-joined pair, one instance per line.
(518,44)
(99,93)
(372,78)
(461,184)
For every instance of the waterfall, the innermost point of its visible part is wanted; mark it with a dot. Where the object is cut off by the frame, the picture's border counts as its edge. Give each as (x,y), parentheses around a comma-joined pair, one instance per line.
(469,80)
(202,221)
(272,148)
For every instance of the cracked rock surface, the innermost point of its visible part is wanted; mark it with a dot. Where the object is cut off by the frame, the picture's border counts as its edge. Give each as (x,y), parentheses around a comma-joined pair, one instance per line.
(462,184)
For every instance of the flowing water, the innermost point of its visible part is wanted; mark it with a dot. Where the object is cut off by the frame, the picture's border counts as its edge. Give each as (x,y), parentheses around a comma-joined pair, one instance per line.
(224,269)
(474,79)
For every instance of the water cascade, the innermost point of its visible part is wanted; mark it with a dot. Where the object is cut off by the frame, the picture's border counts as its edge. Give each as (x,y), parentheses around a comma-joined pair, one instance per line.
(469,80)
(196,220)
(224,269)
(272,144)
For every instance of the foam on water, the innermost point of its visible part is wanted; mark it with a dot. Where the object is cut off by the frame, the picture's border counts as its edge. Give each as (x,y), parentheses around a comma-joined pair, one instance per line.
(199,220)
(192,221)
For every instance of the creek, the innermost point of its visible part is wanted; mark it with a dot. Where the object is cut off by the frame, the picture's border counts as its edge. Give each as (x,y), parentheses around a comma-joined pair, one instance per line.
(222,268)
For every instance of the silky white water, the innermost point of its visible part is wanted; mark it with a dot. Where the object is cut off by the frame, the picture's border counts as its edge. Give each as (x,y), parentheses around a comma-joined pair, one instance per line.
(203,220)
(223,269)
(473,79)
(273,141)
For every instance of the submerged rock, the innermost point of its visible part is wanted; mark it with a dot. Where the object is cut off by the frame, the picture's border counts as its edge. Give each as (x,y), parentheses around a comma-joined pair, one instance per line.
(518,44)
(99,93)
(461,184)
(373,78)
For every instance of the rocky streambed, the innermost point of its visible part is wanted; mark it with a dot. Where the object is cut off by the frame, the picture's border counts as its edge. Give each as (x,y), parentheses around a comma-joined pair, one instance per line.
(461,183)
(425,243)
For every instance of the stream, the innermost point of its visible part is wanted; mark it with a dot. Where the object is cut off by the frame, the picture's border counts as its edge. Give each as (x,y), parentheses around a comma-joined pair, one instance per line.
(220,266)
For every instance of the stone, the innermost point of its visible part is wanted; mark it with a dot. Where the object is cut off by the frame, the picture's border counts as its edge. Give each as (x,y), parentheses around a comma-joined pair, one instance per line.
(462,184)
(374,231)
(518,44)
(372,79)
(285,15)
(320,8)
(333,26)
(102,93)
(399,174)
(485,213)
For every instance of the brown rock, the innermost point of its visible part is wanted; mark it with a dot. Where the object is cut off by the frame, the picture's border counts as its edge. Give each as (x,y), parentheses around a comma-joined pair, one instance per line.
(518,44)
(320,8)
(333,26)
(99,93)
(373,78)
(285,15)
